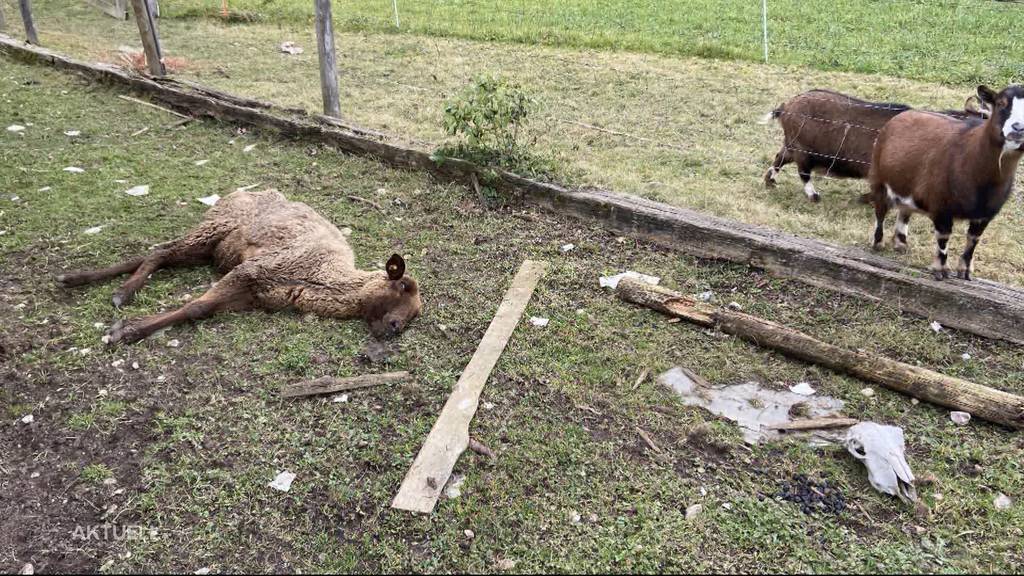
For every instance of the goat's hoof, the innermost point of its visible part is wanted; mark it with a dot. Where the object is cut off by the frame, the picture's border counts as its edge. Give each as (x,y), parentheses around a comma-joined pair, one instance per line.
(900,247)
(120,299)
(940,273)
(68,280)
(963,274)
(877,246)
(121,333)
(815,197)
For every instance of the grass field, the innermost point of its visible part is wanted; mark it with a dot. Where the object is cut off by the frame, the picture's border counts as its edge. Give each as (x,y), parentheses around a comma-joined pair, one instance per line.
(184,445)
(692,124)
(953,41)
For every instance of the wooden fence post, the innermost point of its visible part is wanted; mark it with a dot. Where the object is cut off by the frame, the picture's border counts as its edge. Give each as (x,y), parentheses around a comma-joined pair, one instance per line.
(3,22)
(30,27)
(150,40)
(328,67)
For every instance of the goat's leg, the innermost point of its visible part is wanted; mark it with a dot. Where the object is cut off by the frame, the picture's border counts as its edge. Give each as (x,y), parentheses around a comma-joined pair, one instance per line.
(899,236)
(232,292)
(804,166)
(943,230)
(781,159)
(881,209)
(974,232)
(81,277)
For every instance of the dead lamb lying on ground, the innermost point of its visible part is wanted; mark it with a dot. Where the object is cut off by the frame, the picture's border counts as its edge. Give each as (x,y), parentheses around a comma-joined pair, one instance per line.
(949,169)
(830,132)
(275,254)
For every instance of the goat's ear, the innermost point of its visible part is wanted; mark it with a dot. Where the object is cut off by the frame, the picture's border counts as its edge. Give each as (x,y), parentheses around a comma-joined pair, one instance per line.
(395,267)
(987,96)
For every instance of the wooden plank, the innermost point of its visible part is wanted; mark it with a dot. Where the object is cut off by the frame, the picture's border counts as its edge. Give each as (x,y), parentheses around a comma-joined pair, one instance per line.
(148,34)
(985,308)
(30,25)
(326,53)
(330,384)
(450,435)
(981,401)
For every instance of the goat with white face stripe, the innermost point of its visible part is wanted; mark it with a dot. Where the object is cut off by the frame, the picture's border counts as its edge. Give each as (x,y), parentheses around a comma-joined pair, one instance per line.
(950,169)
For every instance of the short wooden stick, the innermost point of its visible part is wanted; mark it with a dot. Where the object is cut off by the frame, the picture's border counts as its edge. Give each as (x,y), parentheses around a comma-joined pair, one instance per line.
(814,424)
(981,401)
(331,384)
(150,39)
(328,66)
(30,26)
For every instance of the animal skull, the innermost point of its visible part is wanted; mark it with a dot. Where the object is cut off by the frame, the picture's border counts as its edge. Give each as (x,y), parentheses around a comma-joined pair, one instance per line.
(881,449)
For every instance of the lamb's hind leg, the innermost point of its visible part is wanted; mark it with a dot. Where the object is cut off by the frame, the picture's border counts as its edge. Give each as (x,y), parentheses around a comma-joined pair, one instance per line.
(232,292)
(781,159)
(194,248)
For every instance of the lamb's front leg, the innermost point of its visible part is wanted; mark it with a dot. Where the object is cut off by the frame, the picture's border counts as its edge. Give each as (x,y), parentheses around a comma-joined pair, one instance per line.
(974,232)
(232,292)
(943,230)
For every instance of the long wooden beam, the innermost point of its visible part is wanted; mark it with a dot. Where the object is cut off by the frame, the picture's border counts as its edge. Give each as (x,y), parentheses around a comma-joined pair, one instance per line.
(986,308)
(981,401)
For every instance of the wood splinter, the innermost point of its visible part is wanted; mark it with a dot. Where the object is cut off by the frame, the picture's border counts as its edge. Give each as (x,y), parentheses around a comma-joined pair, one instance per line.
(330,384)
(981,401)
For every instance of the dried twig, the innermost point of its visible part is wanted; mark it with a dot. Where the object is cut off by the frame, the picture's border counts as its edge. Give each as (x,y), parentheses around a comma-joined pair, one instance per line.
(151,105)
(647,440)
(366,201)
(481,448)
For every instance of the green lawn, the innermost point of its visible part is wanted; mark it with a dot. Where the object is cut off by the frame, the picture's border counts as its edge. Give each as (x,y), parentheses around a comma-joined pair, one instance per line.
(954,41)
(192,437)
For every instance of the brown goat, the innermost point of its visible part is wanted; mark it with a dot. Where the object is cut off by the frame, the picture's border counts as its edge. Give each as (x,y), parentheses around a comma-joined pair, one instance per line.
(833,133)
(275,254)
(949,169)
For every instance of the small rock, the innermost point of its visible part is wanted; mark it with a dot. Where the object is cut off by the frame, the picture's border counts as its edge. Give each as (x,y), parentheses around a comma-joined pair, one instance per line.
(105,338)
(538,321)
(135,365)
(914,401)
(965,356)
(575,517)
(249,148)
(706,296)
(109,481)
(735,306)
(102,392)
(117,363)
(44,189)
(72,133)
(727,505)
(1002,502)
(291,48)
(200,162)
(936,327)
(959,417)
(141,190)
(93,230)
(488,405)
(346,231)
(469,533)
(868,392)
(454,487)
(174,343)
(694,511)
(28,419)
(340,399)
(210,200)
(567,247)
(34,475)
(16,128)
(202,571)
(938,497)
(74,170)
(27,568)
(505,564)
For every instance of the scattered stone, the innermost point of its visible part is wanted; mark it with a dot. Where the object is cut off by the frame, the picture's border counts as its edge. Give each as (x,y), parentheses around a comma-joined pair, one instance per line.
(135,365)
(74,170)
(93,230)
(965,356)
(812,495)
(538,321)
(291,48)
(488,405)
(210,200)
(735,306)
(868,392)
(27,569)
(28,419)
(249,148)
(727,505)
(469,533)
(72,133)
(575,517)
(202,571)
(16,128)
(1002,502)
(693,511)
(137,190)
(706,296)
(959,417)
(117,363)
(936,327)
(505,565)
(340,399)
(34,475)
(201,162)
(567,247)
(44,189)
(283,481)
(174,343)
(109,481)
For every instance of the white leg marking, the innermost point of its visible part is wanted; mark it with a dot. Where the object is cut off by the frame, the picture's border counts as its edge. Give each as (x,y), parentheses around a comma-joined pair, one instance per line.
(810,191)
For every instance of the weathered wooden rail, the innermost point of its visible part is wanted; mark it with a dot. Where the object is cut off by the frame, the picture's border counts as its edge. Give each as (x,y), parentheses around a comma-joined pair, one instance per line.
(985,308)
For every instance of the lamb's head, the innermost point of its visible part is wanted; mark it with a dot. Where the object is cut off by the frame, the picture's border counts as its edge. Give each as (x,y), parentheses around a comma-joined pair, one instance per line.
(394,302)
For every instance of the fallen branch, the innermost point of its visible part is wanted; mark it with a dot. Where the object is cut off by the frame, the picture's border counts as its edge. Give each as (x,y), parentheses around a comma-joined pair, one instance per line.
(329,384)
(366,201)
(481,448)
(622,134)
(449,437)
(151,105)
(814,424)
(981,401)
(648,440)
